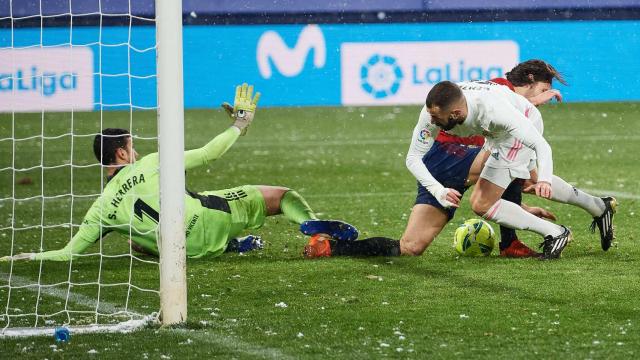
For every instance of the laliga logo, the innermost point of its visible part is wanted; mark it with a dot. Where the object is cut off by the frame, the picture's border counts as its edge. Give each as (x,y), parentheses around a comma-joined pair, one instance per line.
(46,83)
(380,76)
(424,134)
(290,62)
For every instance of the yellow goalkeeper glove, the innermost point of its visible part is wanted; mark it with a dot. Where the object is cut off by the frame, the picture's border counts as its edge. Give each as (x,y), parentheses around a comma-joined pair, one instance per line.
(244,107)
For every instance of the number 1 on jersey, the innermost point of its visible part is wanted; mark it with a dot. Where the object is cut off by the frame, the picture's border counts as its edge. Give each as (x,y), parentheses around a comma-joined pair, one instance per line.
(140,207)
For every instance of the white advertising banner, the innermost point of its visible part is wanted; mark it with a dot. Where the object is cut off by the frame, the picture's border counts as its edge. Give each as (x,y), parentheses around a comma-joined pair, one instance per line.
(389,73)
(46,79)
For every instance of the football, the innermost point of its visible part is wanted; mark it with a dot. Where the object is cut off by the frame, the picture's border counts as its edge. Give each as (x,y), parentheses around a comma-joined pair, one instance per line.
(474,238)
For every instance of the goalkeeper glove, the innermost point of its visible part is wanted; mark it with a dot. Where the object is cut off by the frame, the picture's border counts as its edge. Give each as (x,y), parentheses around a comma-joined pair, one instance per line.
(244,107)
(22,256)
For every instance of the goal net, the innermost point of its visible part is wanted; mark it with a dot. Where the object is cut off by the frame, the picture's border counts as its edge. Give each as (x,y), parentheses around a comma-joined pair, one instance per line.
(69,69)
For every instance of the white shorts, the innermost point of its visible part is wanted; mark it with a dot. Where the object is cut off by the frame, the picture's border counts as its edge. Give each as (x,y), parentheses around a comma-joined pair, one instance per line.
(499,176)
(502,171)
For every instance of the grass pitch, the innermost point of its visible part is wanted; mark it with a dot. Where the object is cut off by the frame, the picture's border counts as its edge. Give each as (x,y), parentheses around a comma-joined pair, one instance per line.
(349,164)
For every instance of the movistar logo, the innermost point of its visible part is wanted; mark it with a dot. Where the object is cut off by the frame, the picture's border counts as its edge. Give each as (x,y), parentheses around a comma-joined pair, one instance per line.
(290,62)
(46,83)
(380,76)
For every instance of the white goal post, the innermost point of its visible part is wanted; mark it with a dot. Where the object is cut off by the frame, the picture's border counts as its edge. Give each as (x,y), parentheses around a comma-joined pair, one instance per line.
(173,280)
(84,71)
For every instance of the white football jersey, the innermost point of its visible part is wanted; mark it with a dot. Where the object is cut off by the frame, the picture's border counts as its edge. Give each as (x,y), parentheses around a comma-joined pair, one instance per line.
(508,121)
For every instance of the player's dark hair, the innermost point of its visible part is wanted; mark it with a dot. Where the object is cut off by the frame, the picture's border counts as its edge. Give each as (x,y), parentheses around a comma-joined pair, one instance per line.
(443,95)
(106,144)
(538,69)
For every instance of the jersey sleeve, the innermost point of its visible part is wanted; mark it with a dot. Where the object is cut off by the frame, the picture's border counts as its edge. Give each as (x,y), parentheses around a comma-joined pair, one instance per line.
(535,117)
(517,125)
(89,232)
(212,150)
(424,135)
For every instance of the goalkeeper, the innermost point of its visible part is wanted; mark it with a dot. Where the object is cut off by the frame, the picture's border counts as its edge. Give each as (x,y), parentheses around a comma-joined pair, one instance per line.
(129,203)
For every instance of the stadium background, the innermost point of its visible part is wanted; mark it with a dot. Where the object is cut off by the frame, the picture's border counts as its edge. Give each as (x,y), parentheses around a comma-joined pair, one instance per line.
(293,63)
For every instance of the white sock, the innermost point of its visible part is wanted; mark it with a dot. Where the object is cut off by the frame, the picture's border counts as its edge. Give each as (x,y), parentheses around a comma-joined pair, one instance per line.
(562,192)
(513,216)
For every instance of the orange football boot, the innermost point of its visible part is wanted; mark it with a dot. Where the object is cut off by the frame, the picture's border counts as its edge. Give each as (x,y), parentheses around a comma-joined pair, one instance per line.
(318,246)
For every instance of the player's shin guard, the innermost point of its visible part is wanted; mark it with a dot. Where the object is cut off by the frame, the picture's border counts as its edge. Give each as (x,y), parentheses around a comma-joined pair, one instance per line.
(295,208)
(375,246)
(512,193)
(564,193)
(513,216)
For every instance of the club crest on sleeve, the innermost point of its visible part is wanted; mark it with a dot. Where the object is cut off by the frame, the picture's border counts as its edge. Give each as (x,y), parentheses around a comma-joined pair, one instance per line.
(424,135)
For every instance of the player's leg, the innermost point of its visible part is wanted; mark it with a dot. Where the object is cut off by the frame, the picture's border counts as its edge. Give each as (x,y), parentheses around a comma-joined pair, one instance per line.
(486,201)
(563,192)
(450,164)
(454,166)
(425,223)
(228,214)
(510,246)
(512,193)
(249,206)
(282,200)
(373,246)
(601,209)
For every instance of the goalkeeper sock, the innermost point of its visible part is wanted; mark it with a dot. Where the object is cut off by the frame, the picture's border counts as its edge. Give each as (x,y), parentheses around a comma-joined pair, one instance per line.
(295,208)
(375,246)
(564,193)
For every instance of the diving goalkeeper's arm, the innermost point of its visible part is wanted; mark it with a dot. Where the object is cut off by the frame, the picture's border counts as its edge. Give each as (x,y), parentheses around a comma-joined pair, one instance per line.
(241,113)
(89,232)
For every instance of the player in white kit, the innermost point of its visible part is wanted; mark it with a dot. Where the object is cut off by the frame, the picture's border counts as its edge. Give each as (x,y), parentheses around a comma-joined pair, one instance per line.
(495,112)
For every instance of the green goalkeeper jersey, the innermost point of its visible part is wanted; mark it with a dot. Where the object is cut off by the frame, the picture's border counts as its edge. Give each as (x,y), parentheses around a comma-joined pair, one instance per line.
(129,205)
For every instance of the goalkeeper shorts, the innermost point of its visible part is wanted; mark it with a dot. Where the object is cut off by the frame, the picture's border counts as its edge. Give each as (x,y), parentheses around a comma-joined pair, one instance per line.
(248,207)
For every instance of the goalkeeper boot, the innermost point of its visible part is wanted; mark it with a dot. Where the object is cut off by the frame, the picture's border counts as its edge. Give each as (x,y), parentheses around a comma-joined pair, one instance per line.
(336,229)
(245,244)
(552,246)
(604,223)
(518,249)
(318,246)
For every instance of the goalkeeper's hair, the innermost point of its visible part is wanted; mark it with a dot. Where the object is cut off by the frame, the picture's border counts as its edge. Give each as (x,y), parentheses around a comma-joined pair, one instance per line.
(106,143)
(443,95)
(539,71)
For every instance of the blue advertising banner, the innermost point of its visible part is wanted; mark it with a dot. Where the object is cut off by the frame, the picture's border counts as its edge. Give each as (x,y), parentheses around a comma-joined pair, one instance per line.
(309,65)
